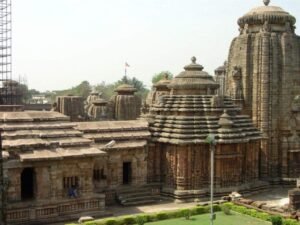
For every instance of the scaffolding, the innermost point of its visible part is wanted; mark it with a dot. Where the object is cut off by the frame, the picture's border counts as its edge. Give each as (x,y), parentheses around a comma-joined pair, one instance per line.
(7,85)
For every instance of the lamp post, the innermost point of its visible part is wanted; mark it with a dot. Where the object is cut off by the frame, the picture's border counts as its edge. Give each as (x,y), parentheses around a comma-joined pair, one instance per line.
(2,186)
(212,144)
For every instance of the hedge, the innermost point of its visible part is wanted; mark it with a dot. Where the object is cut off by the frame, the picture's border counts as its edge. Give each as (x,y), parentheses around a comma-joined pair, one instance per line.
(129,220)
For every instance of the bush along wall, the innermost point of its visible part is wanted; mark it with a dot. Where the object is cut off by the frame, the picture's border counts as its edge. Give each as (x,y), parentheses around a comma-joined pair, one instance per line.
(141,219)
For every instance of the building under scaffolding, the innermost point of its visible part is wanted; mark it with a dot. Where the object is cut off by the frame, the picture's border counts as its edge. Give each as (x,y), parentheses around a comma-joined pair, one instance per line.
(9,89)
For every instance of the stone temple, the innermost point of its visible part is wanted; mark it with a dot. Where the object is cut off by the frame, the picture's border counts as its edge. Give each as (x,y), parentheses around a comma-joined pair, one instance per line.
(263,78)
(57,167)
(178,154)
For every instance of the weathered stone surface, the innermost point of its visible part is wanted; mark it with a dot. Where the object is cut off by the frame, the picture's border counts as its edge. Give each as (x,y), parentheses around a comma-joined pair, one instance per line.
(262,75)
(71,106)
(97,108)
(179,155)
(294,196)
(61,155)
(126,105)
(220,73)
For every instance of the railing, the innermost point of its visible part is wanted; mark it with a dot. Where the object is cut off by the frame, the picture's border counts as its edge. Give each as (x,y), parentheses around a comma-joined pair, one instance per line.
(52,211)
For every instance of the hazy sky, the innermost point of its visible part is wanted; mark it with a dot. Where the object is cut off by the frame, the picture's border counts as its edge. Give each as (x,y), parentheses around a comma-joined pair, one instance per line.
(59,43)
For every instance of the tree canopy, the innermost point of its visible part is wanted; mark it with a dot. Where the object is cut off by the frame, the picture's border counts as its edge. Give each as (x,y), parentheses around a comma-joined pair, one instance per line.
(83,90)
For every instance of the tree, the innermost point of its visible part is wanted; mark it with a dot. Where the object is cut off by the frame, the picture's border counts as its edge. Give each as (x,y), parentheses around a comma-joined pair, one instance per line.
(83,90)
(157,77)
(26,93)
(107,90)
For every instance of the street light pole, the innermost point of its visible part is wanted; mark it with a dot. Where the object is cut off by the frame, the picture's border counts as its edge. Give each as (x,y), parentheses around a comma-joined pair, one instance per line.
(212,143)
(2,186)
(212,215)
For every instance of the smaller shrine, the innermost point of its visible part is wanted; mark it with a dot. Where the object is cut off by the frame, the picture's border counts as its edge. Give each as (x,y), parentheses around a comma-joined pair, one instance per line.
(179,155)
(97,108)
(126,105)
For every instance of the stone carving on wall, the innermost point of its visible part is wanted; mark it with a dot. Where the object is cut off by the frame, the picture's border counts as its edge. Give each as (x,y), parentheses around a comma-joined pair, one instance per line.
(266,27)
(237,92)
(288,28)
(293,119)
(296,104)
(145,108)
(245,29)
(217,101)
(294,139)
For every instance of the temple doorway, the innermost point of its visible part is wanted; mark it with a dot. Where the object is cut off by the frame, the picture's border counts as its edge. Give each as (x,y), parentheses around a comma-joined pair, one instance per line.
(27,184)
(127,171)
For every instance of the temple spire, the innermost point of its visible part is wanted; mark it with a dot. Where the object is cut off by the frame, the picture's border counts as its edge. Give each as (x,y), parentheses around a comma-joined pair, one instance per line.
(266,2)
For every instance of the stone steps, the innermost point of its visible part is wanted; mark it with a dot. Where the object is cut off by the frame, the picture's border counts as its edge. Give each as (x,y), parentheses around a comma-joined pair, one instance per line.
(139,202)
(136,196)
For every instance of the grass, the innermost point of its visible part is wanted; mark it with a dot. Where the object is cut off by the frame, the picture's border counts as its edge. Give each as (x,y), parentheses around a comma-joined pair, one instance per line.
(222,219)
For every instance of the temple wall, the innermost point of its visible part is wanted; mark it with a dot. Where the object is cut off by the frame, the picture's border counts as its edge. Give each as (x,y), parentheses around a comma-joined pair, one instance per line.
(50,179)
(51,200)
(154,162)
(270,67)
(137,158)
(187,167)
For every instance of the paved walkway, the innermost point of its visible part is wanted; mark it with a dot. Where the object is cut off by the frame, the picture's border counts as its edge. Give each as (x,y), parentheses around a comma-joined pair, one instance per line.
(273,197)
(162,206)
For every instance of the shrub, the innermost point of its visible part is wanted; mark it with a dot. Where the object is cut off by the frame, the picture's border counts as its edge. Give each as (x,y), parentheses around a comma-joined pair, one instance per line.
(276,220)
(162,216)
(151,217)
(186,213)
(200,210)
(217,208)
(263,216)
(174,214)
(129,220)
(290,222)
(226,209)
(252,212)
(89,223)
(111,222)
(229,204)
(140,220)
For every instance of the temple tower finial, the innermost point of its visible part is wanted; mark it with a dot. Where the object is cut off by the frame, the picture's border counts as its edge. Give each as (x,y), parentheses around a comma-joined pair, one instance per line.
(194,59)
(266,2)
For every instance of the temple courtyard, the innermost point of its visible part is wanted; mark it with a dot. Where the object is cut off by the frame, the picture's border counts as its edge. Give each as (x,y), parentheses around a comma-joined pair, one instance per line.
(277,197)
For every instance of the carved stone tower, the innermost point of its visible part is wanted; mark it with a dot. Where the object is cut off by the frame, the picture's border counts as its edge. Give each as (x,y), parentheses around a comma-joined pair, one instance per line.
(126,104)
(264,72)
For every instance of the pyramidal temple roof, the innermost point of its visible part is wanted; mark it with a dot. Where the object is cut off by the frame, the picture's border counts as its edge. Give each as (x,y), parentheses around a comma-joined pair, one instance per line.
(191,112)
(193,78)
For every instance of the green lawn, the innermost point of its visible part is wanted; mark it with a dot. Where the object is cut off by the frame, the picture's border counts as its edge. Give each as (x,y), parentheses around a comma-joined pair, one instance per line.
(222,219)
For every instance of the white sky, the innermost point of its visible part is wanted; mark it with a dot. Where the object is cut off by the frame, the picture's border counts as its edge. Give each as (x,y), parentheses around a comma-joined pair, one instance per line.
(59,43)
